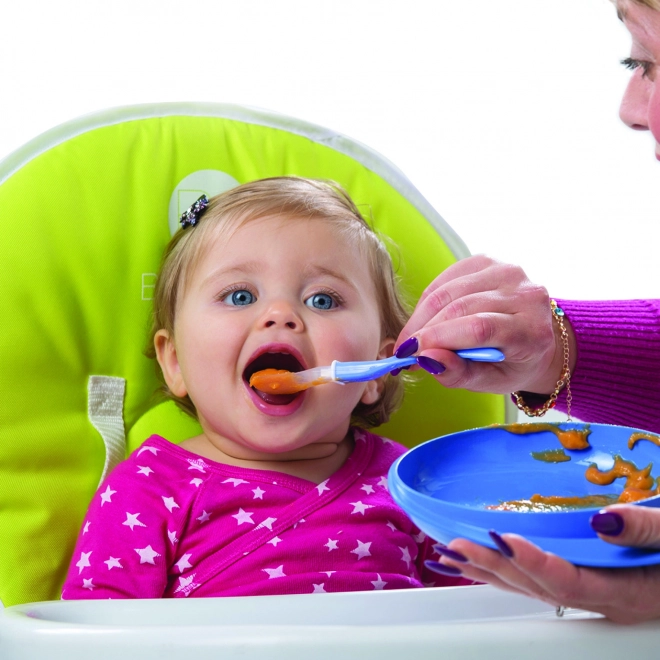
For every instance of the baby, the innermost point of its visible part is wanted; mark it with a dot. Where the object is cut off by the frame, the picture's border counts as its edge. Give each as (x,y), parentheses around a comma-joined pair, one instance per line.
(283,493)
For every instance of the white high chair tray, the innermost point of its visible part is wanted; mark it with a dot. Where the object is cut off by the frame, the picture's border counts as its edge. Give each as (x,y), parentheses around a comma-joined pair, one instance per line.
(451,622)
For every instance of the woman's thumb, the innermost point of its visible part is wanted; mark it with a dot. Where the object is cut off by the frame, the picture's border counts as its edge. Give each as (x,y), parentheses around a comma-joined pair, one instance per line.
(624,524)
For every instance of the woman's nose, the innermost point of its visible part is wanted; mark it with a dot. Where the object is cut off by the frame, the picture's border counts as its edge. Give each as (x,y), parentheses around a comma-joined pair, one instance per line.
(635,103)
(282,314)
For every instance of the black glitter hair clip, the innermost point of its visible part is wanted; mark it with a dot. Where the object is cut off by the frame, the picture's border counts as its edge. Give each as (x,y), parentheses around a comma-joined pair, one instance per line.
(191,216)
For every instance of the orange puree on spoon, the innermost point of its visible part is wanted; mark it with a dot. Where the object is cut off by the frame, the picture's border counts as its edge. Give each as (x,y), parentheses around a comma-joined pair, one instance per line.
(279,381)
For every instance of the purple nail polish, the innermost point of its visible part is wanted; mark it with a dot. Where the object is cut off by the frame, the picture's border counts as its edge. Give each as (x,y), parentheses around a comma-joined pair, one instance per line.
(395,372)
(607,522)
(501,544)
(429,364)
(437,567)
(451,554)
(408,348)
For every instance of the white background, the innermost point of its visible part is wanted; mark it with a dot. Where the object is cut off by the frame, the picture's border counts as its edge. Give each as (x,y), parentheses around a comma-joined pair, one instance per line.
(502,112)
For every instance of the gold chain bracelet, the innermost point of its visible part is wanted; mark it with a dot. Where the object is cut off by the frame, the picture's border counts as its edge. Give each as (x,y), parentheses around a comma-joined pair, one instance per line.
(564,378)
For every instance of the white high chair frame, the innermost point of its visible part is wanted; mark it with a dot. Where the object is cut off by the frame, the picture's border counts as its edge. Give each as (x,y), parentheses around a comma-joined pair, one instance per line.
(457,622)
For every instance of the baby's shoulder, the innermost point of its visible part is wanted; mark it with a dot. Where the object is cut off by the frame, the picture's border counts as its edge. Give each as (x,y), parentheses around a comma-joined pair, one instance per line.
(385,451)
(154,467)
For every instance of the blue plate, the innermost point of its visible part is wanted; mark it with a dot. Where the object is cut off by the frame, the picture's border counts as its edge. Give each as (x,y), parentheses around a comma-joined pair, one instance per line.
(446,484)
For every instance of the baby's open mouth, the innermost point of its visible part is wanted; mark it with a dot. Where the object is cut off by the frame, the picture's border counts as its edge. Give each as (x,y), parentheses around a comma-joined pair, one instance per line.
(284,361)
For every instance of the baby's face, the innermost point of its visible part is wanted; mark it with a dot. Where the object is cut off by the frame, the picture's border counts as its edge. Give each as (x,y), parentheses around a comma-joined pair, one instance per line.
(286,294)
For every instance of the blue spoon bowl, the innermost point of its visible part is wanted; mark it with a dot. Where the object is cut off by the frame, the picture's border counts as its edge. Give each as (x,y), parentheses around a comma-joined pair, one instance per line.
(445,486)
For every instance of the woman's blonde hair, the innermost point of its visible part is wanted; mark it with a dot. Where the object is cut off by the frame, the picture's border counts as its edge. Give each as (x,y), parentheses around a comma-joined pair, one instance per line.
(295,198)
(621,5)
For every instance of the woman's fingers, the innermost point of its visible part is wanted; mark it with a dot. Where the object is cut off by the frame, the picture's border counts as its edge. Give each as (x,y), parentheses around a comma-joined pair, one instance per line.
(492,566)
(623,595)
(624,524)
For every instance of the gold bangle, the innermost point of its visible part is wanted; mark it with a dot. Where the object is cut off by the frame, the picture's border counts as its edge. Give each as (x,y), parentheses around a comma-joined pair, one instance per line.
(564,378)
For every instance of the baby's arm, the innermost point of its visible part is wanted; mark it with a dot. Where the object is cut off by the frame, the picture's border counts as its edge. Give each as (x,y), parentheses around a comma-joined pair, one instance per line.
(123,550)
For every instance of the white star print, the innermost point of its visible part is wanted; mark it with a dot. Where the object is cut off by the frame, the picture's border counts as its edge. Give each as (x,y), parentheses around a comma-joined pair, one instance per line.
(428,584)
(328,573)
(144,469)
(322,487)
(204,517)
(113,562)
(387,441)
(362,550)
(258,493)
(183,563)
(359,507)
(147,555)
(153,450)
(83,562)
(172,537)
(274,572)
(105,497)
(86,529)
(359,435)
(197,464)
(170,503)
(236,482)
(197,482)
(405,556)
(275,540)
(367,488)
(186,585)
(132,521)
(331,545)
(382,482)
(266,523)
(379,584)
(436,546)
(419,538)
(391,525)
(87,584)
(318,588)
(244,517)
(302,520)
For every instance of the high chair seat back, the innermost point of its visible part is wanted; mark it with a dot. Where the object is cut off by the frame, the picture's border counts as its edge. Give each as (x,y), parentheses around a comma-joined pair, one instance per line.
(87,209)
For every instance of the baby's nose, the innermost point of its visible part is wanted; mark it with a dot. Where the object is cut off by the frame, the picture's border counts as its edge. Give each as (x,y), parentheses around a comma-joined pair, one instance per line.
(283,315)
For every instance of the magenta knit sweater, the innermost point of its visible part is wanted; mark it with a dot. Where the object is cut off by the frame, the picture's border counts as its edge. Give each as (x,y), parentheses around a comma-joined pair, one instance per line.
(617,374)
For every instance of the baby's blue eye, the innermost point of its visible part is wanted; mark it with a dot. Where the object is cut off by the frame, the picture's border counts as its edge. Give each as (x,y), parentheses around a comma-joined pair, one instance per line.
(321,301)
(239,297)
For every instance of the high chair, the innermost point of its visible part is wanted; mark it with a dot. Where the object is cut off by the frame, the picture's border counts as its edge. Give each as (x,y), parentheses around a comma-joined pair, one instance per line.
(87,209)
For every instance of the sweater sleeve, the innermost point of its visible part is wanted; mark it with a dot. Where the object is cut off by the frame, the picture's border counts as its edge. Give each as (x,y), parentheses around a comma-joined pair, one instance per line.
(616,379)
(124,549)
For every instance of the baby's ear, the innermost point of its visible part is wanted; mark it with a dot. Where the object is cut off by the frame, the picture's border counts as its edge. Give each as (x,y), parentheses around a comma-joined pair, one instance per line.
(169,363)
(374,389)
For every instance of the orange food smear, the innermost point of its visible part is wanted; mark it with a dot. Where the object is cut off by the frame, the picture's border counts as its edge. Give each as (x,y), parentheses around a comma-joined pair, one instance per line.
(636,437)
(551,456)
(569,439)
(639,482)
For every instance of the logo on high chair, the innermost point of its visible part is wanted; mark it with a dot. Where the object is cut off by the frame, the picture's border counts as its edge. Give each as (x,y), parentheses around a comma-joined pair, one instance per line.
(191,187)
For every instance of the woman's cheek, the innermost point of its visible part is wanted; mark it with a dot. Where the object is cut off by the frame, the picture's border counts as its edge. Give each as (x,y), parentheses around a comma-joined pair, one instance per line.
(654,112)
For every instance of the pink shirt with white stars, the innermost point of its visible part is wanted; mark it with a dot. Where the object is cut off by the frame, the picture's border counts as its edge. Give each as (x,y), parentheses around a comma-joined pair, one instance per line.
(168,523)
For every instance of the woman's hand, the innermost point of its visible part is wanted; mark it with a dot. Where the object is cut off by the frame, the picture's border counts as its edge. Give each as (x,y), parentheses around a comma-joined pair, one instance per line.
(625,595)
(480,302)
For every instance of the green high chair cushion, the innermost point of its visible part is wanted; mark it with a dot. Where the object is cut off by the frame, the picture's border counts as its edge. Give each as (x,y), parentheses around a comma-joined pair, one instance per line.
(86,212)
